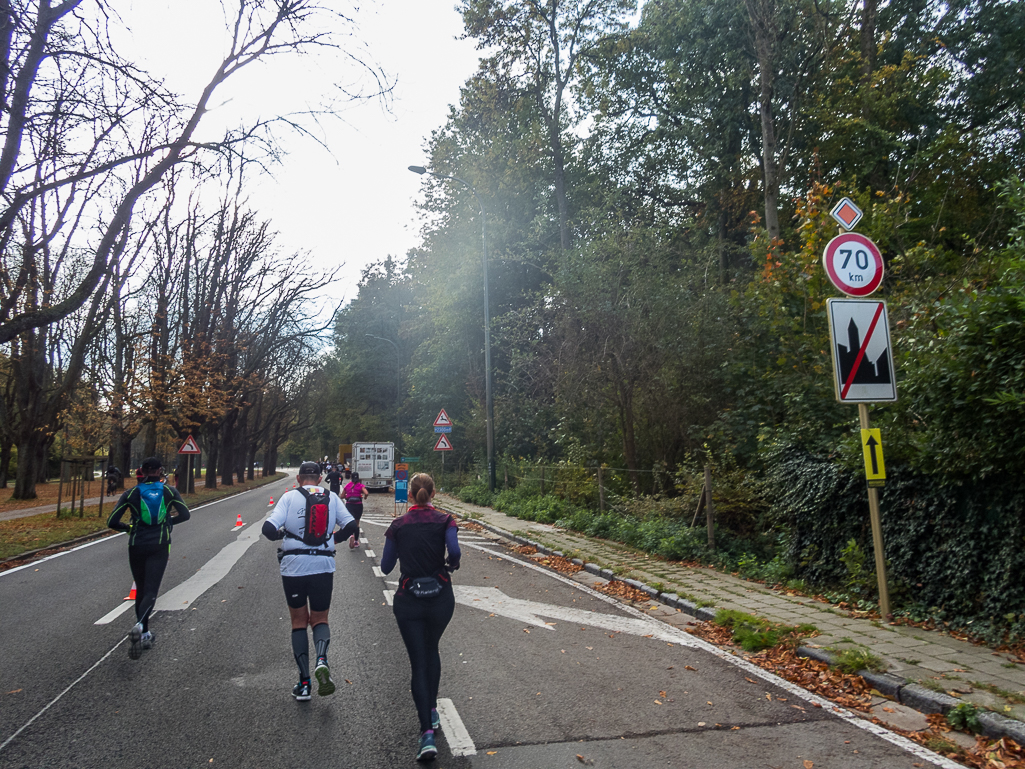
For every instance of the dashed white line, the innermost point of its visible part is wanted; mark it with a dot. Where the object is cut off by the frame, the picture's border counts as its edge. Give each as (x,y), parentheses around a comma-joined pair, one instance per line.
(458,739)
(370,554)
(389,596)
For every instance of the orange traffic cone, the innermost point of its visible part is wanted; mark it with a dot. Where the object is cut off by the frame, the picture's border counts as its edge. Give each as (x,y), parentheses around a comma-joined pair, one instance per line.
(238,521)
(131,594)
(271,502)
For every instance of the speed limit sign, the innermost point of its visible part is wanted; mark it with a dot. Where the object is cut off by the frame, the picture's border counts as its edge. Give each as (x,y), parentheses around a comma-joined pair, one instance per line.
(853,264)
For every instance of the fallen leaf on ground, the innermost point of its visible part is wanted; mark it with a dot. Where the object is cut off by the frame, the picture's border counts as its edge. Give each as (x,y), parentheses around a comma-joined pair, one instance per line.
(808,764)
(688,667)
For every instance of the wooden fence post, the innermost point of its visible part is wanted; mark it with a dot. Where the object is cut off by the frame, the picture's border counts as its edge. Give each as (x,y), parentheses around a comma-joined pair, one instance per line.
(709,508)
(601,492)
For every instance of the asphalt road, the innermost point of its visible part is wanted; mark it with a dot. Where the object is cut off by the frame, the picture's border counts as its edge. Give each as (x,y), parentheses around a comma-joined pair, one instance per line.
(537,670)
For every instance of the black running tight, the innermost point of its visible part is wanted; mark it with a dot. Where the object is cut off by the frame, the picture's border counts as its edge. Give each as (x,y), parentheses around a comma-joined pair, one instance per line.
(148,563)
(422,621)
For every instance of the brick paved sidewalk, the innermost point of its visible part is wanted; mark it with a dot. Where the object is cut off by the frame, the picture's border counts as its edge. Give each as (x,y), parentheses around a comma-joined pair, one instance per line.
(976,674)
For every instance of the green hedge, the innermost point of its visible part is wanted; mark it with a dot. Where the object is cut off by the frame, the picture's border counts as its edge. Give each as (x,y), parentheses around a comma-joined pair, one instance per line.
(955,550)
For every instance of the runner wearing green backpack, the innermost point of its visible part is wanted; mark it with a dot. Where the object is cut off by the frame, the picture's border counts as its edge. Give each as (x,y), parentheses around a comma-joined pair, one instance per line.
(153,510)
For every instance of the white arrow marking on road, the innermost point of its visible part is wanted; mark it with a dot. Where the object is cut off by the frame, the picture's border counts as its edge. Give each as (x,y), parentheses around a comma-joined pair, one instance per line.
(212,572)
(493,600)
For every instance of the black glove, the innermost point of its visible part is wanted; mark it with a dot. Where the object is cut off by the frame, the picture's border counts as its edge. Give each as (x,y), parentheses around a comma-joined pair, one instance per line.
(272,533)
(452,564)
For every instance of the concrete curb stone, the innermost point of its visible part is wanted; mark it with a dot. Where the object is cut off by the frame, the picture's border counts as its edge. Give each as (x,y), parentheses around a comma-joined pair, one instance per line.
(994,725)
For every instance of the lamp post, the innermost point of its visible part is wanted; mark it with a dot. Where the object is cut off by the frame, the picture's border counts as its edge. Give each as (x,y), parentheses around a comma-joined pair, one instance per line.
(398,388)
(490,403)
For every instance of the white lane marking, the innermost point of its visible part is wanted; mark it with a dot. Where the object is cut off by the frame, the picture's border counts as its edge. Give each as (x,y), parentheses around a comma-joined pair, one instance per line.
(364,541)
(65,552)
(236,528)
(212,572)
(687,639)
(377,571)
(369,554)
(55,699)
(456,736)
(109,617)
(389,596)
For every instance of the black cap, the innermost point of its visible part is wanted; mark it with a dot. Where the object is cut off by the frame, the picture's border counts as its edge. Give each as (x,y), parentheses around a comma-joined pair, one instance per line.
(309,468)
(152,466)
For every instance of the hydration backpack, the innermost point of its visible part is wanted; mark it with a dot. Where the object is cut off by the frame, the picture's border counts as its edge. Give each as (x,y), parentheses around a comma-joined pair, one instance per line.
(152,504)
(315,528)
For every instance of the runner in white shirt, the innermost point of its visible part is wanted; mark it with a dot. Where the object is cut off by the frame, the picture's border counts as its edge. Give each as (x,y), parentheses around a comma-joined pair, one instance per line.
(307,568)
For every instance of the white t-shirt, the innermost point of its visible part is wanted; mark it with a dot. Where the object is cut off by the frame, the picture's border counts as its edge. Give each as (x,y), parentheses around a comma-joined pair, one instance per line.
(290,512)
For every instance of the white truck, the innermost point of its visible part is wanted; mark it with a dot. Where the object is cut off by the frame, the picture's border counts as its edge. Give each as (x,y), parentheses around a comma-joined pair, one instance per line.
(375,463)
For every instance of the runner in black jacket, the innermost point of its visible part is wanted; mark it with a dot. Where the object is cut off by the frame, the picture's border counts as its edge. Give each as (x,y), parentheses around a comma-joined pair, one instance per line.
(153,510)
(418,541)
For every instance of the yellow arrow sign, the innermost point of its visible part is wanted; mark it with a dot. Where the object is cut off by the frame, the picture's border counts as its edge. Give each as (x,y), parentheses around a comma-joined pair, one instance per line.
(872,448)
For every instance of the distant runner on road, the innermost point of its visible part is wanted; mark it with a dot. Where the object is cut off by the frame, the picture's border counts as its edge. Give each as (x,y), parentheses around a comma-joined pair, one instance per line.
(154,509)
(334,479)
(305,519)
(355,493)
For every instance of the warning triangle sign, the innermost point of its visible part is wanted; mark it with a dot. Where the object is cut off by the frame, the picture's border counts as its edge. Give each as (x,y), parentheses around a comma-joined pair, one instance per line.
(443,444)
(442,420)
(189,447)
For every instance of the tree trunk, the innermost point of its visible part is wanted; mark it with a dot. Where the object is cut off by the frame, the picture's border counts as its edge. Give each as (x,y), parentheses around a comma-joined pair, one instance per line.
(762,14)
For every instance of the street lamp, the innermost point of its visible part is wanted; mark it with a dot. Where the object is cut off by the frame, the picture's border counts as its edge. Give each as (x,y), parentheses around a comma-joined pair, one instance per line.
(490,403)
(398,387)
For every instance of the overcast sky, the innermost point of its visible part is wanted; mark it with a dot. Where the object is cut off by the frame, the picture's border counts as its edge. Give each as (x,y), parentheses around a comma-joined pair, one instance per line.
(356,204)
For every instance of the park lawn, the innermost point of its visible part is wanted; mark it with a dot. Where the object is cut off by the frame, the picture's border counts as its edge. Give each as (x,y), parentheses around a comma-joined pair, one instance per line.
(20,535)
(46,494)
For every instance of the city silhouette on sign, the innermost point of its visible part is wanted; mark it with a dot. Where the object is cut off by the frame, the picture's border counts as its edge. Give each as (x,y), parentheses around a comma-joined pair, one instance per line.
(869,371)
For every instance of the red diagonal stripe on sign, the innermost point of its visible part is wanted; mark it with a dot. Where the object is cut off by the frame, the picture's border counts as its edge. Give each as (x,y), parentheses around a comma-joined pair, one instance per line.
(861,352)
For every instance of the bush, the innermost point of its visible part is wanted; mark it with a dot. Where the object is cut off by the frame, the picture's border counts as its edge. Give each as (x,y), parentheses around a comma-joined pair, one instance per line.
(476,493)
(956,546)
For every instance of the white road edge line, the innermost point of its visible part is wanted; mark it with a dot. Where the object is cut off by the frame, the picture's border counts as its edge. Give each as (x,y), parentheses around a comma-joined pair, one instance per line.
(55,699)
(458,739)
(389,597)
(377,571)
(693,641)
(369,554)
(57,555)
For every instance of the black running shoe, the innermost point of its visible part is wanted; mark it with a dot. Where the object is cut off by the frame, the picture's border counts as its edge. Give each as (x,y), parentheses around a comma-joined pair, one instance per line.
(135,641)
(302,691)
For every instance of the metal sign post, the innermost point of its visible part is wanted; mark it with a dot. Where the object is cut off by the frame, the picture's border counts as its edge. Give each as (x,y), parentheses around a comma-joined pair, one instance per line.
(863,370)
(188,450)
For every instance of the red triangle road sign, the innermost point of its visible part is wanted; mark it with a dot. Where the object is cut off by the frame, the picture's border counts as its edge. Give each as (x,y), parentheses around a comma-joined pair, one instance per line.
(442,420)
(190,446)
(443,444)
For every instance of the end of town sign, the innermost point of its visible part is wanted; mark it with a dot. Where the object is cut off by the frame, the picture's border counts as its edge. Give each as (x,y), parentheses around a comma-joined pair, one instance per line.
(859,335)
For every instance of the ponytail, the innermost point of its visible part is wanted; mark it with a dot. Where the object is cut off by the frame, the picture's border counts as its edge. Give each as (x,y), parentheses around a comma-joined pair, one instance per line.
(421,488)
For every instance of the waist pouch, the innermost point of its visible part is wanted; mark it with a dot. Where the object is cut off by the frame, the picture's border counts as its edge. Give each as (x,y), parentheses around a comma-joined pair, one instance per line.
(426,587)
(354,501)
(283,553)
